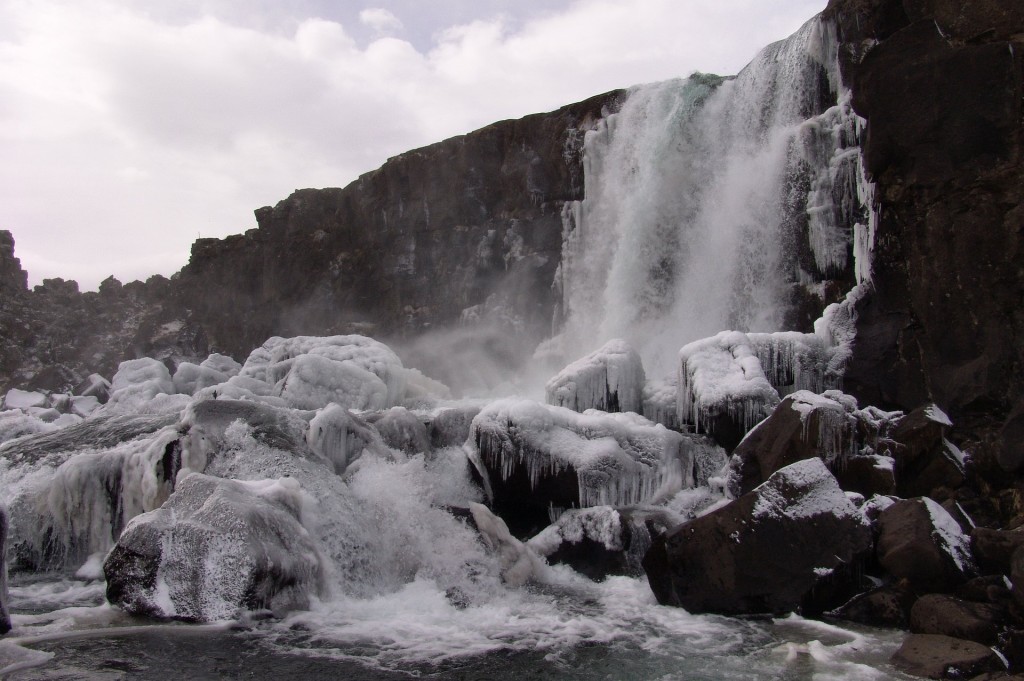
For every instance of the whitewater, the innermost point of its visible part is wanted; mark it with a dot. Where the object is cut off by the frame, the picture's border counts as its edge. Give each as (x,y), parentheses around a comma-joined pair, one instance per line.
(711,204)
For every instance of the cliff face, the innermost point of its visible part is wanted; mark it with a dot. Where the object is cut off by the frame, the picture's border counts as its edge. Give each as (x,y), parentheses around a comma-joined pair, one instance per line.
(466,228)
(471,221)
(941,85)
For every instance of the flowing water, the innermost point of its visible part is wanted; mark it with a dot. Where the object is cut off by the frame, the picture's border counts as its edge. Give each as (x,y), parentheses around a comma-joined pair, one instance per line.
(700,195)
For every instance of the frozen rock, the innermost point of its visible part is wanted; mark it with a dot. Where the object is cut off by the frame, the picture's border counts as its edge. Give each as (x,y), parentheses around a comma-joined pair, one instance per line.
(5,613)
(84,405)
(94,386)
(723,390)
(805,425)
(44,414)
(537,457)
(661,401)
(71,491)
(610,379)
(920,542)
(449,426)
(518,562)
(310,371)
(190,378)
(596,542)
(137,382)
(340,437)
(764,552)
(793,361)
(23,399)
(401,429)
(242,388)
(216,548)
(221,364)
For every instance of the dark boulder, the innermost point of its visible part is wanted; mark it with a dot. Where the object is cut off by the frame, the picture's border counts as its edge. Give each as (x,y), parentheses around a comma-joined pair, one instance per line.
(950,616)
(920,542)
(994,548)
(215,548)
(943,657)
(886,606)
(764,552)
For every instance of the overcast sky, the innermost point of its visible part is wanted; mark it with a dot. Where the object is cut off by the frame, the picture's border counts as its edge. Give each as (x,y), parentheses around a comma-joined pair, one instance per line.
(128,128)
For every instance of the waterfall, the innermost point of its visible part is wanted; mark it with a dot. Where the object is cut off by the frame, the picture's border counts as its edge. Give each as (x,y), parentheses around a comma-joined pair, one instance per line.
(714,203)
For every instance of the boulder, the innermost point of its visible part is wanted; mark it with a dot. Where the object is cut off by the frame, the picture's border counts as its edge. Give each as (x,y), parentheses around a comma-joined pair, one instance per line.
(5,615)
(610,379)
(993,548)
(764,552)
(885,606)
(23,399)
(950,616)
(920,542)
(138,381)
(943,657)
(536,457)
(94,386)
(596,542)
(215,548)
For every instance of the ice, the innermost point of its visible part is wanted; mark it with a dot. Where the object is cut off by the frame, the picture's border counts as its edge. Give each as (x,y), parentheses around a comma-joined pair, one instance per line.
(221,364)
(610,378)
(14,424)
(619,459)
(217,547)
(23,399)
(518,562)
(189,378)
(340,437)
(84,405)
(721,376)
(601,524)
(137,382)
(661,400)
(369,369)
(792,361)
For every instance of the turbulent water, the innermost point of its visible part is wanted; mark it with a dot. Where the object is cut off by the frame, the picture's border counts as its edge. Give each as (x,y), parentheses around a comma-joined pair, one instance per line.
(699,194)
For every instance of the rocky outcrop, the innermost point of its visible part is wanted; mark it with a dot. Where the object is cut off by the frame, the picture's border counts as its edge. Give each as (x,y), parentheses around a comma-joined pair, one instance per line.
(940,84)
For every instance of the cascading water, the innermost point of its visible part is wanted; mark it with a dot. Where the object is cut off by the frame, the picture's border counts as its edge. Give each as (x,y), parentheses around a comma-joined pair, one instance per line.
(712,203)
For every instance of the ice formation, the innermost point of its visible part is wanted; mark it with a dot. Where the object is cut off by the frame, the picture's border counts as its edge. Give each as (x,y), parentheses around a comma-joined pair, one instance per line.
(610,379)
(619,459)
(697,192)
(722,377)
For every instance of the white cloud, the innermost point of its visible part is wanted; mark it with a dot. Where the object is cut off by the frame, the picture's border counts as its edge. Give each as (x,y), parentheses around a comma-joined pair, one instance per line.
(380,20)
(124,135)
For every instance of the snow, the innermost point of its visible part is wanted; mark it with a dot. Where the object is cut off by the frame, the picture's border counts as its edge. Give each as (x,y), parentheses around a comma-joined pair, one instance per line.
(933,413)
(620,459)
(661,400)
(314,381)
(949,536)
(802,490)
(189,378)
(137,382)
(340,437)
(722,375)
(601,524)
(519,563)
(610,378)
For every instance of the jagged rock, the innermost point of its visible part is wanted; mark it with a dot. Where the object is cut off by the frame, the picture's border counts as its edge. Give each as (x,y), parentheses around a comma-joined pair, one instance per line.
(216,547)
(5,615)
(943,657)
(993,548)
(949,616)
(920,542)
(925,459)
(885,606)
(94,386)
(401,429)
(763,552)
(610,379)
(536,457)
(596,542)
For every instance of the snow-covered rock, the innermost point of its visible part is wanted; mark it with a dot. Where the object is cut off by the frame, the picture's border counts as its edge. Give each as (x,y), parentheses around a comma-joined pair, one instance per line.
(518,562)
(23,399)
(596,542)
(765,551)
(723,389)
(137,382)
(340,437)
(401,429)
(537,457)
(189,377)
(94,386)
(920,542)
(610,379)
(217,547)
